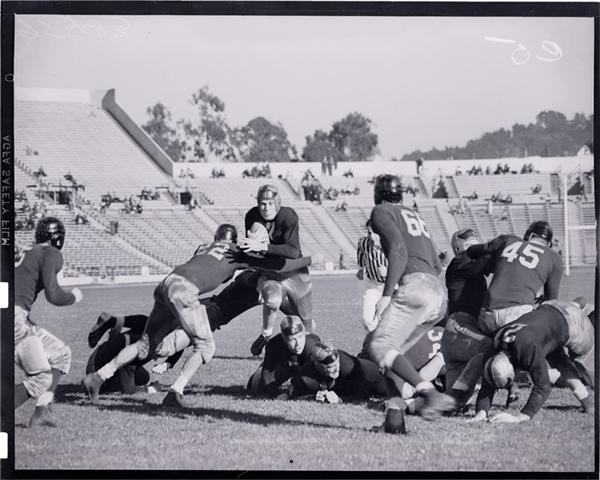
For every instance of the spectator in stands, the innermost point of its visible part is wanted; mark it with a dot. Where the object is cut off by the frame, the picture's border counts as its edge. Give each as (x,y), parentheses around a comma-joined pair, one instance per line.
(490,206)
(488,170)
(341,205)
(458,171)
(341,260)
(419,162)
(348,173)
(498,170)
(506,168)
(415,207)
(537,188)
(69,177)
(81,219)
(41,172)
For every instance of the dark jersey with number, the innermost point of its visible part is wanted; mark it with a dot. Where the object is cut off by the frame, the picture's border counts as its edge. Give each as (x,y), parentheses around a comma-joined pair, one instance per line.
(217,262)
(406,241)
(284,232)
(280,363)
(420,352)
(528,341)
(358,378)
(521,269)
(35,271)
(465,281)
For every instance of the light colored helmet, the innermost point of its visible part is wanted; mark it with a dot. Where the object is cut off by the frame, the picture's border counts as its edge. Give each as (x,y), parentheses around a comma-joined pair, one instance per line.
(463,239)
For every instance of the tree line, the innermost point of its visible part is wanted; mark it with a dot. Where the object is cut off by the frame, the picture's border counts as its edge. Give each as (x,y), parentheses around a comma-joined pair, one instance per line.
(208,136)
(552,135)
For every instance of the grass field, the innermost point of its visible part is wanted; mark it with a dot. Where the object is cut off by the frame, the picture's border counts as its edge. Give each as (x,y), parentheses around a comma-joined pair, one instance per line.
(227,430)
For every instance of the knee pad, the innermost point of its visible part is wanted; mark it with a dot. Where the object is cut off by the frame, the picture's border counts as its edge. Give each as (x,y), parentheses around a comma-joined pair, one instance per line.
(381,353)
(206,348)
(61,359)
(272,294)
(31,356)
(38,383)
(174,342)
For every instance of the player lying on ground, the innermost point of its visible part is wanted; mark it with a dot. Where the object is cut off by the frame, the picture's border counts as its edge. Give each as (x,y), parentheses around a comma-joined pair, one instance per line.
(333,376)
(558,332)
(425,356)
(177,305)
(285,353)
(273,231)
(43,357)
(413,300)
(123,331)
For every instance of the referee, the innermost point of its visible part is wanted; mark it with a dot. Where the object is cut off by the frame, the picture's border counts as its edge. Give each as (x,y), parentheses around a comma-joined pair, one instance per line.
(372,268)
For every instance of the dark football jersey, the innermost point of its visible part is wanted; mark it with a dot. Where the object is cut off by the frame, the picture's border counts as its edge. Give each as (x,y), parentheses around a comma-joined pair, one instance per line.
(280,363)
(406,241)
(521,269)
(528,341)
(358,378)
(36,270)
(217,262)
(466,284)
(284,233)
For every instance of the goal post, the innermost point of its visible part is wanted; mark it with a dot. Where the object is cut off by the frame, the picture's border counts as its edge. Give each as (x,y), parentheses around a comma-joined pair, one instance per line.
(571,229)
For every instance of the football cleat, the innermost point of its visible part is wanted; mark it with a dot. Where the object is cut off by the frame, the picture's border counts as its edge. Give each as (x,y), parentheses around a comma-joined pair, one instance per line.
(176,399)
(101,326)
(435,404)
(92,383)
(394,421)
(43,417)
(257,345)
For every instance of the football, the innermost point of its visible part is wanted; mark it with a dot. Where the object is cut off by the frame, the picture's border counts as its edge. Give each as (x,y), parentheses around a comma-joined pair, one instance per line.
(259,232)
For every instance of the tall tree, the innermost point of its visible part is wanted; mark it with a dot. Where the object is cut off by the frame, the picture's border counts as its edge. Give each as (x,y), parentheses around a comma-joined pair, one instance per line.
(266,142)
(318,146)
(163,130)
(353,137)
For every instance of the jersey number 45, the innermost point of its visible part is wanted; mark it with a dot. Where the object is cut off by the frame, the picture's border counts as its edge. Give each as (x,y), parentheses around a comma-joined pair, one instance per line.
(528,255)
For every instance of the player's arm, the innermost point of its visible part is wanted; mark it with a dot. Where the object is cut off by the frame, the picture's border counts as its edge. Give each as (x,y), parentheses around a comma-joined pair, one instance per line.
(393,247)
(473,267)
(52,264)
(494,245)
(276,263)
(541,381)
(290,248)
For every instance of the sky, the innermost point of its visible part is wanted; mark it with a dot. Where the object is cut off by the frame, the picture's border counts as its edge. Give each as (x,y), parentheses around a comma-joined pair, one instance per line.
(423,81)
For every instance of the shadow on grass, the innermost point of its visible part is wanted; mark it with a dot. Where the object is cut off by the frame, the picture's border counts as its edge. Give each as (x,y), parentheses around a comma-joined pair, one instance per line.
(75,394)
(238,357)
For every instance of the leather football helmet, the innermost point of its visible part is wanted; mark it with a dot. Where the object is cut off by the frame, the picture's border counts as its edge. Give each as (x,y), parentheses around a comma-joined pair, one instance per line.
(539,229)
(388,188)
(50,229)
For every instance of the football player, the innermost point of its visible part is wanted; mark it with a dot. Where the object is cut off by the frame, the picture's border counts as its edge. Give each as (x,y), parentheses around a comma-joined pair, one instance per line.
(464,346)
(558,332)
(285,353)
(521,268)
(292,292)
(123,331)
(414,298)
(43,357)
(333,376)
(177,305)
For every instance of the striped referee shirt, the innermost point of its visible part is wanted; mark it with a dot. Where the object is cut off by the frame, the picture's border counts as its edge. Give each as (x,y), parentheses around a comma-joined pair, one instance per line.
(371,258)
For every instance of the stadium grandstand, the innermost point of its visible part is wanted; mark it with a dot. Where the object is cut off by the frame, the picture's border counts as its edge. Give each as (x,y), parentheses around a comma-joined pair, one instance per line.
(132,212)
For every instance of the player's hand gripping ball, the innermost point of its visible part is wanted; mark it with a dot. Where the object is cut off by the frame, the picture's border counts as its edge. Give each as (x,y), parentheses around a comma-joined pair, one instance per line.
(257,240)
